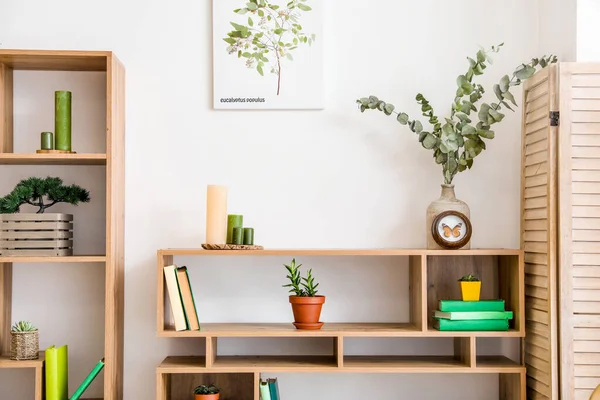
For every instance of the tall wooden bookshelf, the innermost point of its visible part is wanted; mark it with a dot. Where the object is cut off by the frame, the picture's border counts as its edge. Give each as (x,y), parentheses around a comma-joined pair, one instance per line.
(112,160)
(433,276)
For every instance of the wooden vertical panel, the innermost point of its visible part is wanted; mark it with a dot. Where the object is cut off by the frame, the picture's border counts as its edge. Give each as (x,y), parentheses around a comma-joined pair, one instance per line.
(513,387)
(162,312)
(211,351)
(465,351)
(418,291)
(39,382)
(6,109)
(579,161)
(163,387)
(511,276)
(257,386)
(538,231)
(5,307)
(338,350)
(115,209)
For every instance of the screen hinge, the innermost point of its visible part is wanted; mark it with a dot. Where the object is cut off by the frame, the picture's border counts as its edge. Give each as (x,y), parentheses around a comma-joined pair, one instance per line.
(554,118)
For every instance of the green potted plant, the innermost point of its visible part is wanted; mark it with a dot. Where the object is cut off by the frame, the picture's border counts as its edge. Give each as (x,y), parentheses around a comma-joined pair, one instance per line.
(39,233)
(456,140)
(24,341)
(306,304)
(203,392)
(470,287)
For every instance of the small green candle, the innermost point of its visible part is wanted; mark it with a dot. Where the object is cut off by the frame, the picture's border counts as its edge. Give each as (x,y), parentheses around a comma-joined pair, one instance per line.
(47,139)
(249,236)
(62,120)
(237,235)
(233,221)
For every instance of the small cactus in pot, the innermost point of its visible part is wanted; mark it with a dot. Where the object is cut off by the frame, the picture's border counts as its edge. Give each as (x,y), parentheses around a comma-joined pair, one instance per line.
(204,392)
(25,342)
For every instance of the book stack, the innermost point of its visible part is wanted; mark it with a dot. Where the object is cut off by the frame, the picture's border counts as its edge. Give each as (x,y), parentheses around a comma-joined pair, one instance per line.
(484,315)
(181,298)
(269,389)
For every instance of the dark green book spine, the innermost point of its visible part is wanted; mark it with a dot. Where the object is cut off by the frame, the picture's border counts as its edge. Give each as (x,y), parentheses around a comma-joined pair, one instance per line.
(274,389)
(192,292)
(483,305)
(472,325)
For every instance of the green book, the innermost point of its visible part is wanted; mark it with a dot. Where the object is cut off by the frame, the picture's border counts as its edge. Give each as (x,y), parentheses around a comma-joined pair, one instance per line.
(472,325)
(57,373)
(265,393)
(482,305)
(274,389)
(88,380)
(470,315)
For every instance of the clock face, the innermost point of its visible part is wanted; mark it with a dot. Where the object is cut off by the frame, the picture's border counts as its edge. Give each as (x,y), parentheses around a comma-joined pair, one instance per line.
(451,229)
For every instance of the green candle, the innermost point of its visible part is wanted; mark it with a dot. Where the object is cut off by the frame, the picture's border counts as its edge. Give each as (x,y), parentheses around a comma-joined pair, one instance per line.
(237,235)
(249,236)
(47,141)
(233,221)
(62,120)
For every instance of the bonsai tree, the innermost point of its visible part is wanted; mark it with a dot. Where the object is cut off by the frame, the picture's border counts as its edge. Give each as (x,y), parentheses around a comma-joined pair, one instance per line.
(42,193)
(203,389)
(301,287)
(469,278)
(271,34)
(457,140)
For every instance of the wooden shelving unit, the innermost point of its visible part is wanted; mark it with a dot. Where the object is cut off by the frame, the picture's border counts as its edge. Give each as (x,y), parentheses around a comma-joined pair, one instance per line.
(112,159)
(432,276)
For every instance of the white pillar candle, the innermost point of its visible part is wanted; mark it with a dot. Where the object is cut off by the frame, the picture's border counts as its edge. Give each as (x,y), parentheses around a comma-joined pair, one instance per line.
(216,214)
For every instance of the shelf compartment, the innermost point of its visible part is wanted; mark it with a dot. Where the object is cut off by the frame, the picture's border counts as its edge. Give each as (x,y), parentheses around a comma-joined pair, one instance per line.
(498,364)
(52,159)
(182,365)
(501,278)
(288,330)
(275,363)
(61,260)
(180,386)
(412,364)
(51,60)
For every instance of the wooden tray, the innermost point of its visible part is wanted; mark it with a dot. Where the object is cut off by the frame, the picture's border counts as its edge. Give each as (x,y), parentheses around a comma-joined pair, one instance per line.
(231,247)
(55,152)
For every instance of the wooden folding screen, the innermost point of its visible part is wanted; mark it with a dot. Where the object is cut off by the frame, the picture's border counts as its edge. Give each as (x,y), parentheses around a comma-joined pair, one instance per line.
(561,231)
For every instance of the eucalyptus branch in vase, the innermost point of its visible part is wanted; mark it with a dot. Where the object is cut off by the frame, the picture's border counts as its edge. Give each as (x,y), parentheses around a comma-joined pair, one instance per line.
(457,140)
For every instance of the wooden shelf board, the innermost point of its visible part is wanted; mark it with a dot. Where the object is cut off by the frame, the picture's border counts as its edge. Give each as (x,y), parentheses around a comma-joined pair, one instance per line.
(275,363)
(288,330)
(7,363)
(340,252)
(61,260)
(52,159)
(497,364)
(182,365)
(429,364)
(51,60)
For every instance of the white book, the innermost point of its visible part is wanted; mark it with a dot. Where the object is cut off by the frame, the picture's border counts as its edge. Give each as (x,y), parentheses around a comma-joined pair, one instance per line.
(175,298)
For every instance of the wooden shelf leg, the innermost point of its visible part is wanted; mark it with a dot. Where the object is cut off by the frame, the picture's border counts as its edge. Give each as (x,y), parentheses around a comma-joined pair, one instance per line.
(211,351)
(464,350)
(5,306)
(39,383)
(257,386)
(513,386)
(338,350)
(418,291)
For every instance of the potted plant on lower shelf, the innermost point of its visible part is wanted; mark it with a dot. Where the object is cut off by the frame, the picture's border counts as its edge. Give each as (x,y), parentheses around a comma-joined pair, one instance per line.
(306,304)
(204,392)
(470,287)
(24,341)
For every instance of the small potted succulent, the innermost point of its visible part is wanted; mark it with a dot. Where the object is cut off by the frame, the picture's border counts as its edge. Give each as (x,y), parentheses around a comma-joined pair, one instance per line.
(470,287)
(306,304)
(203,392)
(24,341)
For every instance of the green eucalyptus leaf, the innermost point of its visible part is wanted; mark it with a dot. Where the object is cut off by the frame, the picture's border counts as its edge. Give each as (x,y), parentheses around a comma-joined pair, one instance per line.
(468,130)
(430,141)
(480,56)
(486,134)
(508,95)
(418,127)
(250,21)
(525,73)
(402,118)
(463,117)
(504,83)
(304,7)
(483,112)
(498,92)
(497,116)
(472,63)
(388,109)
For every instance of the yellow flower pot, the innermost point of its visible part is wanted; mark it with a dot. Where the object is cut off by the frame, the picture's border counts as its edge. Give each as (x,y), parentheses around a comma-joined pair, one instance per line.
(470,291)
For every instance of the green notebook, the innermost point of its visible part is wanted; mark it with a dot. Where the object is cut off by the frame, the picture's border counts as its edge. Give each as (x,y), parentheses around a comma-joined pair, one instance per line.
(470,315)
(57,373)
(274,389)
(472,325)
(265,393)
(88,380)
(483,305)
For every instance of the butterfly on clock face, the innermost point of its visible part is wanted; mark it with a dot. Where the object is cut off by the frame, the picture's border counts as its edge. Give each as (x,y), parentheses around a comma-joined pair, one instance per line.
(452,232)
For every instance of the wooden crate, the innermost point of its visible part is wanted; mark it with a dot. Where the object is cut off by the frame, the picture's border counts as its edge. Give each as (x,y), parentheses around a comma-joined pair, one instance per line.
(36,235)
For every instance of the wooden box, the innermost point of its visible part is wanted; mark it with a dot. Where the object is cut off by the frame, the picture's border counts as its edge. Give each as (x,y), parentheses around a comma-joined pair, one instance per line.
(27,234)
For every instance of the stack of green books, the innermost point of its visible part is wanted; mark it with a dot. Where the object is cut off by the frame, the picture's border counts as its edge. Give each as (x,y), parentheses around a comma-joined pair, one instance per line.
(484,315)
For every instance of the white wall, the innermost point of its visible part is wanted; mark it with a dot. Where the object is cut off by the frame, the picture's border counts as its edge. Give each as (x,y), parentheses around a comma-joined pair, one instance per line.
(558,28)
(304,179)
(588,14)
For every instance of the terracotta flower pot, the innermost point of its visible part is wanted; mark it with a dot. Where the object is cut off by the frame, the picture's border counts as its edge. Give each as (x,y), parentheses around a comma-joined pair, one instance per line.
(206,396)
(307,311)
(470,290)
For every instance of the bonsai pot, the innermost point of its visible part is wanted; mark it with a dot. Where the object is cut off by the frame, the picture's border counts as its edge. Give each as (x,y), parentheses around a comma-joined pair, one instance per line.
(470,291)
(307,311)
(207,396)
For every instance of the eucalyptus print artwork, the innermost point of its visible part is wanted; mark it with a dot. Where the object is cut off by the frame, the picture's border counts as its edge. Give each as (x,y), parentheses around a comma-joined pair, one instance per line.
(266,34)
